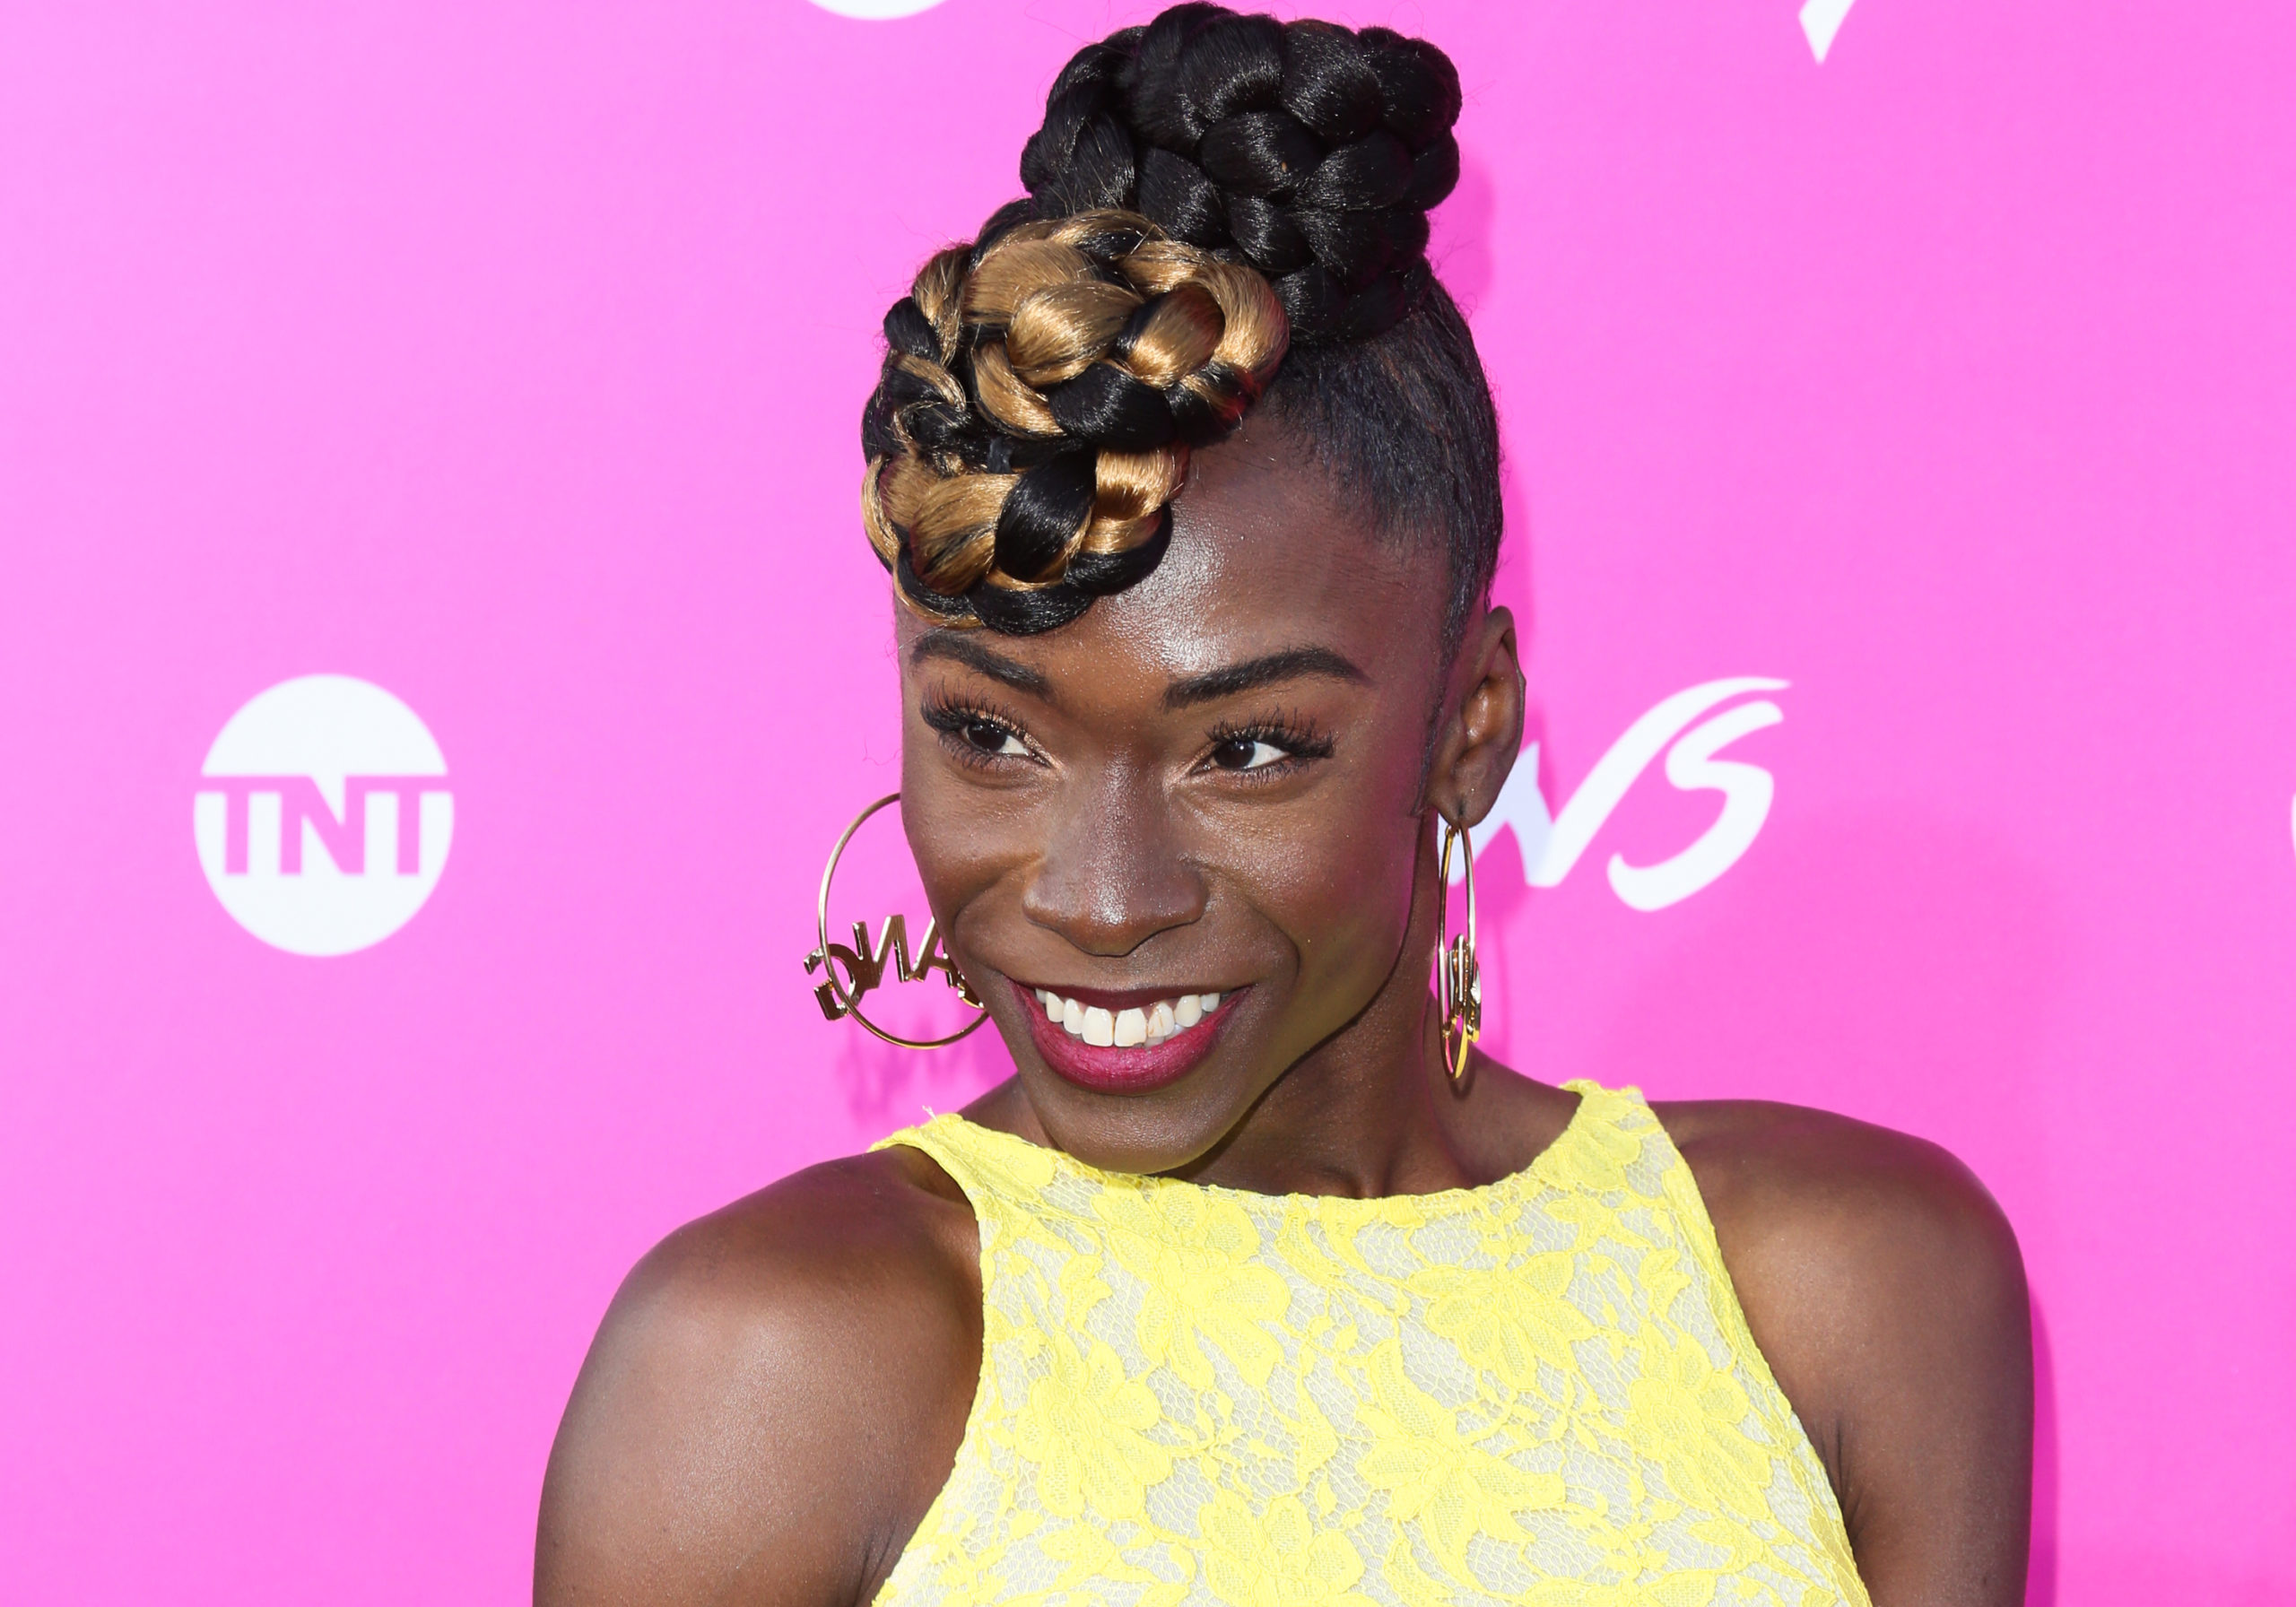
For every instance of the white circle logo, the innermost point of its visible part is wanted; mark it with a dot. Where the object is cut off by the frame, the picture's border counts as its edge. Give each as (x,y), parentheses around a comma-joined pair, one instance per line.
(876,11)
(322,815)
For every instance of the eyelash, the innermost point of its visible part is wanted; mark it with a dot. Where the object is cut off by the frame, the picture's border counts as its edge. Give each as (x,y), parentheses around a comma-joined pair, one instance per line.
(1298,738)
(952,716)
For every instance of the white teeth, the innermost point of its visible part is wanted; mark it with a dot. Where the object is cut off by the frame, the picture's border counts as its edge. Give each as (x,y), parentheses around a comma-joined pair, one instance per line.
(1127,1029)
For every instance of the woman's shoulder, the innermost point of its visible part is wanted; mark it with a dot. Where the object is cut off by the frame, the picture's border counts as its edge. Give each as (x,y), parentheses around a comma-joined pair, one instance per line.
(1884,1287)
(855,1261)
(1777,1153)
(1787,1178)
(788,1376)
(886,1224)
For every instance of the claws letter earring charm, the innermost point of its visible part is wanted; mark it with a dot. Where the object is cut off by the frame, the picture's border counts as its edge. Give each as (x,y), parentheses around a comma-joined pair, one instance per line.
(1458,979)
(863,966)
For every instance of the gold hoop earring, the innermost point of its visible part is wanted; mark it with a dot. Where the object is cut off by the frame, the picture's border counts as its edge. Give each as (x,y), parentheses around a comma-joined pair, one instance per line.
(866,965)
(1458,978)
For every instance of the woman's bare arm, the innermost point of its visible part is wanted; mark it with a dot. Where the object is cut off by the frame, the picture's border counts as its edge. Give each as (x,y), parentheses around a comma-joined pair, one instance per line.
(1886,1288)
(773,1400)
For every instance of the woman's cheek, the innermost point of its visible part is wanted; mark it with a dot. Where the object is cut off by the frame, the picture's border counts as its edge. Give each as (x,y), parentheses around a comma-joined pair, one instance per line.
(1346,910)
(962,841)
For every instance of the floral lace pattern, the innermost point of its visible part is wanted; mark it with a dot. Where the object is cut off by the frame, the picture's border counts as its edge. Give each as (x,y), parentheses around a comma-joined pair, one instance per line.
(1540,1391)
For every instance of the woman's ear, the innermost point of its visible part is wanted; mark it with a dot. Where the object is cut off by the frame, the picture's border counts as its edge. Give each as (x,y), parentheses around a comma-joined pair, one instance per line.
(1484,736)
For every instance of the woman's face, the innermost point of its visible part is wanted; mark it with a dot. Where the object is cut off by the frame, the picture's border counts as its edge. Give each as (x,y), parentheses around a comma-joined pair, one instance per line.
(1212,784)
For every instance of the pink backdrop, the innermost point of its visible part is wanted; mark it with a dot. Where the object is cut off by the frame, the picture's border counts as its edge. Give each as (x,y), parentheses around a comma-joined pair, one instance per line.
(507,356)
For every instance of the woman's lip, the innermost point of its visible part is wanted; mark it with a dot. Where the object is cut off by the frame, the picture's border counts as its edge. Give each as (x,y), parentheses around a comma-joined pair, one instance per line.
(1113,1071)
(1111,998)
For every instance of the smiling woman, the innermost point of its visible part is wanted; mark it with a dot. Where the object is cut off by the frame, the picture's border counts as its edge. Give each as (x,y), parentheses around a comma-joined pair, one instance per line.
(1186,475)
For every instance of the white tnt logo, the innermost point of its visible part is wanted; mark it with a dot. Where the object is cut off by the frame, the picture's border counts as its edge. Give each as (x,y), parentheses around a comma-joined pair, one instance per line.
(322,815)
(1551,844)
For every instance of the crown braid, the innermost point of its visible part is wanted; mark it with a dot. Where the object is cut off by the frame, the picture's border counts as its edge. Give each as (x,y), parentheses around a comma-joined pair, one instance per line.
(1205,190)
(1308,150)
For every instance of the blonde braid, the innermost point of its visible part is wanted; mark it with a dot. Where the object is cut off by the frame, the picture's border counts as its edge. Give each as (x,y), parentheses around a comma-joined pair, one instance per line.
(1040,397)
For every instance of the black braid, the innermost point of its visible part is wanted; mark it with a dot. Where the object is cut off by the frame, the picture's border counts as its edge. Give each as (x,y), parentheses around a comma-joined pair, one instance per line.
(1311,152)
(1306,151)
(1040,390)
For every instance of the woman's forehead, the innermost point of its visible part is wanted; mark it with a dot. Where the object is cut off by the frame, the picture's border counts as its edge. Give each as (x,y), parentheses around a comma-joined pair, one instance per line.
(1265,558)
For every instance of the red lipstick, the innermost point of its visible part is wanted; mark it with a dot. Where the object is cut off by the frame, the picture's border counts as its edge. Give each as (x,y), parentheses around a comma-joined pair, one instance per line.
(1108,1070)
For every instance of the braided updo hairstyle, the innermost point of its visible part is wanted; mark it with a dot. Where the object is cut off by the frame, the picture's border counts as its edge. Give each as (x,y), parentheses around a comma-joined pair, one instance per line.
(1221,208)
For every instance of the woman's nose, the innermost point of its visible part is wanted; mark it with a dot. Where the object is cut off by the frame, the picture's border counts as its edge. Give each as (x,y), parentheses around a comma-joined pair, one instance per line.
(1113,874)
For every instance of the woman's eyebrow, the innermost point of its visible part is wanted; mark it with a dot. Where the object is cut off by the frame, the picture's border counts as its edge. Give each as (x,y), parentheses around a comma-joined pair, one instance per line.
(961,648)
(1265,670)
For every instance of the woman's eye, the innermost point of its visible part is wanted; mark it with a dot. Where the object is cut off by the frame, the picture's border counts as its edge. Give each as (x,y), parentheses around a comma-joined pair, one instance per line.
(1246,754)
(984,737)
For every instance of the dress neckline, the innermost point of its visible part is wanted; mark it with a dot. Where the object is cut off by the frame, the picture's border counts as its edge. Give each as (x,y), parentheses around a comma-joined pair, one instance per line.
(1598,1108)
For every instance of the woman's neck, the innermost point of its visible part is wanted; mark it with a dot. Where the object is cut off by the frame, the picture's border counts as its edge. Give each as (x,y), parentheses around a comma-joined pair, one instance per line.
(1367,1113)
(1370,1111)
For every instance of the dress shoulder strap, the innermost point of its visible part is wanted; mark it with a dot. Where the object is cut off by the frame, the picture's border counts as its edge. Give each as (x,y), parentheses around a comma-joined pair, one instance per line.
(1002,1176)
(1663,1165)
(1659,1172)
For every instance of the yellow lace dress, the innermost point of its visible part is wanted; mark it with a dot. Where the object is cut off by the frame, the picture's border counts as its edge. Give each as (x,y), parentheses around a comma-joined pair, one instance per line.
(1538,1391)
